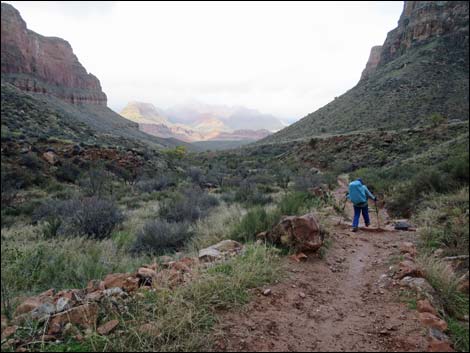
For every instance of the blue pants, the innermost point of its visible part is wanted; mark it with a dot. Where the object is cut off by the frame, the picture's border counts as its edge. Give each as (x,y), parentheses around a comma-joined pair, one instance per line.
(357,215)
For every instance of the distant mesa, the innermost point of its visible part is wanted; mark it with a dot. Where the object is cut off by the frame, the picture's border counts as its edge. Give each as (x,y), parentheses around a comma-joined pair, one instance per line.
(46,65)
(202,122)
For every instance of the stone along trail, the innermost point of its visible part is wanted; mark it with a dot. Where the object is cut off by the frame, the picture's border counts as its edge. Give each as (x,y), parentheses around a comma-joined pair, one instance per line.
(339,303)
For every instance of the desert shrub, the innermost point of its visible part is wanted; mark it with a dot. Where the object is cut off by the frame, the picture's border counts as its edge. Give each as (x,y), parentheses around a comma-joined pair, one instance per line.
(31,161)
(68,172)
(444,223)
(297,202)
(283,178)
(90,216)
(96,182)
(188,205)
(306,181)
(248,193)
(406,196)
(160,237)
(196,175)
(157,183)
(127,175)
(257,220)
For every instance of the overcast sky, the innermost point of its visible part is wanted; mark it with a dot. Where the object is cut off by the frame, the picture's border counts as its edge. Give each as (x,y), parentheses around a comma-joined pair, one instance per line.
(287,59)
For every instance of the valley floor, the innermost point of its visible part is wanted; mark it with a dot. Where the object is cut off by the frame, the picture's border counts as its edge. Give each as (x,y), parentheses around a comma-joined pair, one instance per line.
(340,303)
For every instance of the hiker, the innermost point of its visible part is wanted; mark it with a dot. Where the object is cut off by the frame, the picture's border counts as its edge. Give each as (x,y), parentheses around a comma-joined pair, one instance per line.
(359,194)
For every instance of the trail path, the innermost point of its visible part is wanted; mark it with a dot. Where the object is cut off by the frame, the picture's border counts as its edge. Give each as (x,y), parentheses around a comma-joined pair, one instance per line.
(339,303)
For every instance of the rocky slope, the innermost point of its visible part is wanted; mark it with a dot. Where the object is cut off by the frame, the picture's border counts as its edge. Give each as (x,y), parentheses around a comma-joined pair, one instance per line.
(46,65)
(422,68)
(42,77)
(200,122)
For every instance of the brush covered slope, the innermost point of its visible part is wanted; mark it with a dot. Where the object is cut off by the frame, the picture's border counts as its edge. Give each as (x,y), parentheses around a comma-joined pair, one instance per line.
(421,69)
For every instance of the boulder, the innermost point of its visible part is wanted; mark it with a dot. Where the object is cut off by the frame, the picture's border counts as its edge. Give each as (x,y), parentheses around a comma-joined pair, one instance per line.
(84,316)
(95,285)
(51,158)
(432,321)
(408,248)
(121,280)
(31,303)
(435,345)
(408,268)
(424,306)
(43,311)
(63,304)
(146,273)
(302,234)
(421,286)
(108,327)
(219,250)
(402,225)
(209,255)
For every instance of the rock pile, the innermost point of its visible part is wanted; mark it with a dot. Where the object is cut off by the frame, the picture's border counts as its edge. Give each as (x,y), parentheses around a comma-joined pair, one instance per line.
(78,310)
(411,276)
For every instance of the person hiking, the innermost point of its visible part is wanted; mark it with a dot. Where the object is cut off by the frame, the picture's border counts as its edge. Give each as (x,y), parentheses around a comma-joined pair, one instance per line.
(358,194)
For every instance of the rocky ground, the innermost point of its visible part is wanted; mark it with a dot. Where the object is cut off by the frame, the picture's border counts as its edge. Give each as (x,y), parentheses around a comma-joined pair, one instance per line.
(349,301)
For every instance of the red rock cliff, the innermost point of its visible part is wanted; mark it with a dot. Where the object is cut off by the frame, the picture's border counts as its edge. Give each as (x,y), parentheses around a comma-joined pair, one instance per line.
(41,64)
(422,21)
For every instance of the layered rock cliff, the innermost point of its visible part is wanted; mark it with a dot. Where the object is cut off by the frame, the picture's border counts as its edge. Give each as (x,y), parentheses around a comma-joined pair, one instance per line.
(421,69)
(40,64)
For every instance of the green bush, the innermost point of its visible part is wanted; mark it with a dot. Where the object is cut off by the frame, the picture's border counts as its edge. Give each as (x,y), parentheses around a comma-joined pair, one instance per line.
(297,202)
(160,237)
(89,216)
(257,220)
(187,206)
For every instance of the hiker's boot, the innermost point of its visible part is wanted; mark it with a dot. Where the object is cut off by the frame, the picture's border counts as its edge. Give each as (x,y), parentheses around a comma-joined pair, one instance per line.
(355,229)
(367,225)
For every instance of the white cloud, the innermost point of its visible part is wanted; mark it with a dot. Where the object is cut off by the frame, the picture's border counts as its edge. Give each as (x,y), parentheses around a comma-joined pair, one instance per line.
(284,58)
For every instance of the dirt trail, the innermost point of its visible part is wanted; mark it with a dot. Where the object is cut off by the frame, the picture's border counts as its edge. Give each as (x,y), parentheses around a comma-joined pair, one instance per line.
(339,303)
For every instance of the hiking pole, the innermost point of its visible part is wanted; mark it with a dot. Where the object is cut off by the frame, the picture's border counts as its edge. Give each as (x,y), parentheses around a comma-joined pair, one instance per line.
(377,213)
(342,210)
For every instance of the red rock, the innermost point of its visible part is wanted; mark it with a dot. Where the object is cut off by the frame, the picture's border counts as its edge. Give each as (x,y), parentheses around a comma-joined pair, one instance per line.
(408,248)
(9,331)
(95,285)
(374,58)
(51,158)
(145,272)
(432,321)
(299,257)
(108,327)
(121,280)
(47,65)
(48,293)
(84,316)
(408,268)
(30,304)
(424,306)
(302,234)
(439,346)
(149,329)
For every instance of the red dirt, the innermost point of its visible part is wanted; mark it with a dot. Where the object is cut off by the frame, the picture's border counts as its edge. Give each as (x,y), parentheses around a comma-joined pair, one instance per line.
(331,304)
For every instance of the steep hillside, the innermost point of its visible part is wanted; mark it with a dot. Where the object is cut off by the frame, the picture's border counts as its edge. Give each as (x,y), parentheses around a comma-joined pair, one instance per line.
(42,74)
(421,69)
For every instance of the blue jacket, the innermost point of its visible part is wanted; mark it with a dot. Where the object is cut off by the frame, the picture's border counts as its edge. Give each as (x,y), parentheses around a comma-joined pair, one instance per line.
(359,193)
